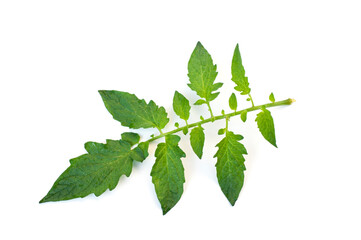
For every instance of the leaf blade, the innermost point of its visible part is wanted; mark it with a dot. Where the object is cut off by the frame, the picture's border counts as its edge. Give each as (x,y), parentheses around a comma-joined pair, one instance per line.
(202,73)
(233,102)
(272,97)
(239,74)
(133,112)
(168,172)
(230,166)
(140,153)
(200,102)
(94,172)
(265,125)
(197,140)
(181,106)
(244,115)
(130,137)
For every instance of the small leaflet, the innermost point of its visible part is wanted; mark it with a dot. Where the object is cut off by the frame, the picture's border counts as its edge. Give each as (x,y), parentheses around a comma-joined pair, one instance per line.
(272,98)
(197,140)
(266,126)
(221,131)
(181,106)
(233,102)
(130,137)
(244,116)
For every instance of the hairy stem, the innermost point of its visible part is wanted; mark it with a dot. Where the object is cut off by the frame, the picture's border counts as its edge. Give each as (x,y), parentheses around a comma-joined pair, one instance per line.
(288,101)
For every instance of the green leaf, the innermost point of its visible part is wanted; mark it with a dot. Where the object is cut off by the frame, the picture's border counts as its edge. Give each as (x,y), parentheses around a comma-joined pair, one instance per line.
(94,172)
(221,131)
(202,73)
(131,138)
(181,106)
(197,141)
(244,116)
(230,165)
(185,130)
(200,102)
(140,153)
(272,97)
(133,112)
(168,172)
(266,126)
(239,74)
(233,102)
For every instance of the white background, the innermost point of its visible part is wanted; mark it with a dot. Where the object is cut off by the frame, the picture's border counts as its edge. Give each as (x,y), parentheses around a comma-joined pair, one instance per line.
(55,55)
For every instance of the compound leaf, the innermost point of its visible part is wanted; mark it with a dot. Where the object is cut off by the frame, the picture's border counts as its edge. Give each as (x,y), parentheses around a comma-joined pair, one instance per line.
(230,165)
(181,106)
(239,74)
(202,73)
(168,172)
(266,126)
(197,141)
(133,112)
(94,172)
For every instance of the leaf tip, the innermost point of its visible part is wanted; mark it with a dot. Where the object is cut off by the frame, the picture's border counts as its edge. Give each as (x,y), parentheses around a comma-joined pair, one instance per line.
(165,211)
(44,199)
(232,199)
(101,92)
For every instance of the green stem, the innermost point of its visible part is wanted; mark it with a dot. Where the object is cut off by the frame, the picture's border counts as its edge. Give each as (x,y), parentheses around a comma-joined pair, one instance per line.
(227,120)
(288,101)
(250,97)
(160,131)
(210,110)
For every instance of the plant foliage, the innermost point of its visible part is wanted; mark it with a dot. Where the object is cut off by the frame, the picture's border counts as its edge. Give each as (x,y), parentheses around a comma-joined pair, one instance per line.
(103,164)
